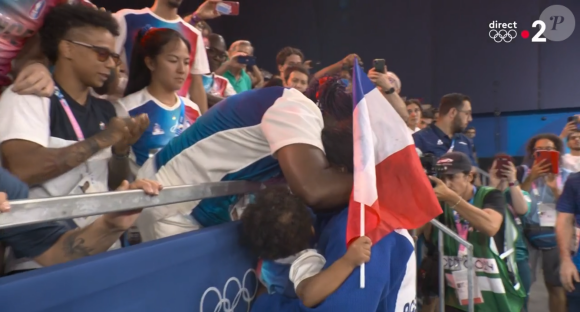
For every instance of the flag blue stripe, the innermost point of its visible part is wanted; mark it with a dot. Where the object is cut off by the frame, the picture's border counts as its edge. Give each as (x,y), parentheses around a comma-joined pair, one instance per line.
(361,84)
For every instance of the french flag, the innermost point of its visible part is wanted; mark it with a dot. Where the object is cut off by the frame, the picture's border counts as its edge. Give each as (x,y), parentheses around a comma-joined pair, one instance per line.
(391,190)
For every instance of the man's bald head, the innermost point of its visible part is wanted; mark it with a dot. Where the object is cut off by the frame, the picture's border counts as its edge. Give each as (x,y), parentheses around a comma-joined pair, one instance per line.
(217,42)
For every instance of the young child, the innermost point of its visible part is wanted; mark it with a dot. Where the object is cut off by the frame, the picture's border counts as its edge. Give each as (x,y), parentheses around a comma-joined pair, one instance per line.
(278,227)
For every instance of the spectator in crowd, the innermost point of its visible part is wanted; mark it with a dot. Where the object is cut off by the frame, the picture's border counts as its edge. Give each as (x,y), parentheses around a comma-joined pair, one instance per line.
(415,113)
(217,87)
(163,14)
(518,204)
(545,189)
(391,289)
(52,243)
(567,232)
(159,67)
(278,228)
(571,134)
(446,134)
(427,118)
(288,125)
(62,145)
(297,78)
(470,133)
(288,57)
(235,71)
(477,215)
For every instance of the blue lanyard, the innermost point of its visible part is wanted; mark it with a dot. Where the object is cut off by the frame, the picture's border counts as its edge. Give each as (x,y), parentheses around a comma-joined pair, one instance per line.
(452,146)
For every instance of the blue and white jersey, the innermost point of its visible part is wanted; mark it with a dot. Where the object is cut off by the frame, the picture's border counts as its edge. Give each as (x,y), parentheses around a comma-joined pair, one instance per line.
(235,140)
(165,122)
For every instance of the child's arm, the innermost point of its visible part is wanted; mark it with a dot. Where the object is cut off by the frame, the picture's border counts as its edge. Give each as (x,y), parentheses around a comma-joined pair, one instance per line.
(315,289)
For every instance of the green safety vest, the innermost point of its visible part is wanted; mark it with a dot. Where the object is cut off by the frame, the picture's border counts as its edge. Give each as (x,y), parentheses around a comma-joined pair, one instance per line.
(499,293)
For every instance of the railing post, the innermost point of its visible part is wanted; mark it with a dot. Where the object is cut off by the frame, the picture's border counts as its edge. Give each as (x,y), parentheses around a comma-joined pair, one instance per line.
(470,275)
(441,273)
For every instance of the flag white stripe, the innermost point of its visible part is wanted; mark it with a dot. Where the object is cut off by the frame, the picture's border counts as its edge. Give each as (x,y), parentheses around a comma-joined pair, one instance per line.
(365,189)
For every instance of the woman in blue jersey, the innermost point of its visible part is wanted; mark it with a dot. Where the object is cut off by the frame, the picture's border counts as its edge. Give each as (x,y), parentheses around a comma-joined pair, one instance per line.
(159,66)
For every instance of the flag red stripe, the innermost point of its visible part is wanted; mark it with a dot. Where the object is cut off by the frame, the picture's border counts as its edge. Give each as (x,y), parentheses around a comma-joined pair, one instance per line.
(405,198)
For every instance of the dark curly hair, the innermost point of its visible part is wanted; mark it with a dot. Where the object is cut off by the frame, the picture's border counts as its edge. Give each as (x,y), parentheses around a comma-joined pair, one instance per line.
(558,144)
(66,17)
(338,143)
(286,52)
(331,96)
(277,225)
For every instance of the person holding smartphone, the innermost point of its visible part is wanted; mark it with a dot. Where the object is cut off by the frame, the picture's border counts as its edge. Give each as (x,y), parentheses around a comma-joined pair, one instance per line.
(537,177)
(503,176)
(235,69)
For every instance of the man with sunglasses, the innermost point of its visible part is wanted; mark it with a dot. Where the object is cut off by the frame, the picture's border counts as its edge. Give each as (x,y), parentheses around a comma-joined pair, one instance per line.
(216,86)
(71,142)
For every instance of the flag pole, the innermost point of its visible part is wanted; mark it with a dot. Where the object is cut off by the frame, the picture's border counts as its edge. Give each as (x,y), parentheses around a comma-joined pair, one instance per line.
(362,233)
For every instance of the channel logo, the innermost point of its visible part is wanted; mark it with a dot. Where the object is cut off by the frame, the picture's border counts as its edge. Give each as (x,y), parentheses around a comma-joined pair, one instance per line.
(556,23)
(503,32)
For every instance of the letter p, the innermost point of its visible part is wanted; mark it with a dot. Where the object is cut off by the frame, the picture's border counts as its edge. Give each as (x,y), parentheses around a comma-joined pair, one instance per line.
(557,20)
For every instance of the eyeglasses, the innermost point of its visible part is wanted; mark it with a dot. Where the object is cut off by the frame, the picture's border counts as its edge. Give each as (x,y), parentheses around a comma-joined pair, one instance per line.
(103,54)
(217,54)
(547,148)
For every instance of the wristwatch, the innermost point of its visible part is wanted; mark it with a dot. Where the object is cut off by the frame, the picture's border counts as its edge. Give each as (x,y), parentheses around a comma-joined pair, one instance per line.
(515,183)
(390,91)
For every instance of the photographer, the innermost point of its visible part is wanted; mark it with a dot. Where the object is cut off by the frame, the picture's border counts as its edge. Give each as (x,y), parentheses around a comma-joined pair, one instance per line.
(477,215)
(503,177)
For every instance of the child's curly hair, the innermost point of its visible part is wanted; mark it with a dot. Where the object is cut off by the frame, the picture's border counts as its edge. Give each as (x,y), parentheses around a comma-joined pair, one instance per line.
(278,225)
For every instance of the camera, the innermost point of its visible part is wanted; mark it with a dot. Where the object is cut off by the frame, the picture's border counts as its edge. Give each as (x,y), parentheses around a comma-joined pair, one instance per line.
(429,164)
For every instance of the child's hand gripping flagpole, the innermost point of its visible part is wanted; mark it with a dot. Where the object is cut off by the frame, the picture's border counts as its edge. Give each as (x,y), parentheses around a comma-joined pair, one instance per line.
(362,233)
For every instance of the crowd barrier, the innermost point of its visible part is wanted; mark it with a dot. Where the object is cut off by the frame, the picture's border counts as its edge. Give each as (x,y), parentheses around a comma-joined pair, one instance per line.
(206,270)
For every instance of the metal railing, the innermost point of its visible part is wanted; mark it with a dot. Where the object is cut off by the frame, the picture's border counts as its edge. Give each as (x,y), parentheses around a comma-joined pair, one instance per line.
(484,176)
(470,268)
(30,211)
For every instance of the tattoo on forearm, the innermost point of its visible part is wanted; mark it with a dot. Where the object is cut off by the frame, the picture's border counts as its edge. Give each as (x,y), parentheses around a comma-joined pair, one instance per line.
(74,246)
(78,153)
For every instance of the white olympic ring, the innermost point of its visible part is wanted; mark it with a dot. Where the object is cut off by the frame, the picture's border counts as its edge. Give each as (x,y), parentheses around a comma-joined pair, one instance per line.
(503,35)
(224,303)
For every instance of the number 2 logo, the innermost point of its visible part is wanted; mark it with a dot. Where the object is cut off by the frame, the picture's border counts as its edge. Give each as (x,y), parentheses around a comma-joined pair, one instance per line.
(538,36)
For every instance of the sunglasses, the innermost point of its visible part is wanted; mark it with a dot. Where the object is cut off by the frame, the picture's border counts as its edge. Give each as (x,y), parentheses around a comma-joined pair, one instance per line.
(103,54)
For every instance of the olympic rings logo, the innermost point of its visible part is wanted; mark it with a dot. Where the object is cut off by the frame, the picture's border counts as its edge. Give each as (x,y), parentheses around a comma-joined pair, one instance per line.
(503,35)
(226,305)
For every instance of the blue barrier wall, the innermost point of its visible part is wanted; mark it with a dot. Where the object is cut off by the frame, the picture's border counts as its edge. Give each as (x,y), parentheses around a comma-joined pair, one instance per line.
(509,133)
(177,274)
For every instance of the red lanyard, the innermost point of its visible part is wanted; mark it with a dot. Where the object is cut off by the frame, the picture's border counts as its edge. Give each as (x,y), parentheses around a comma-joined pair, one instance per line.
(69,113)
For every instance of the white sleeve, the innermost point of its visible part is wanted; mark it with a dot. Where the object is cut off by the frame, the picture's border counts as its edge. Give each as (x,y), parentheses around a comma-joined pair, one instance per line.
(24,117)
(122,38)
(292,119)
(200,64)
(307,265)
(229,89)
(189,103)
(120,108)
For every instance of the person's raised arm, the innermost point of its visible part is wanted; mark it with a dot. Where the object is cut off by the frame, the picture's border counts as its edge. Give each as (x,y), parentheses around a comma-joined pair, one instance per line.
(519,203)
(100,235)
(337,67)
(538,168)
(200,67)
(388,91)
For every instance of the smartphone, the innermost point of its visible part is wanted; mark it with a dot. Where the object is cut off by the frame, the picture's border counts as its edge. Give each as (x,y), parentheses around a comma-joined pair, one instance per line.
(379,65)
(228,8)
(247,60)
(501,161)
(551,157)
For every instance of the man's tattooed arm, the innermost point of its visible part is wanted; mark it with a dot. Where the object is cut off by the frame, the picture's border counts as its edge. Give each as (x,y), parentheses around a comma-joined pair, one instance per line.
(35,164)
(78,243)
